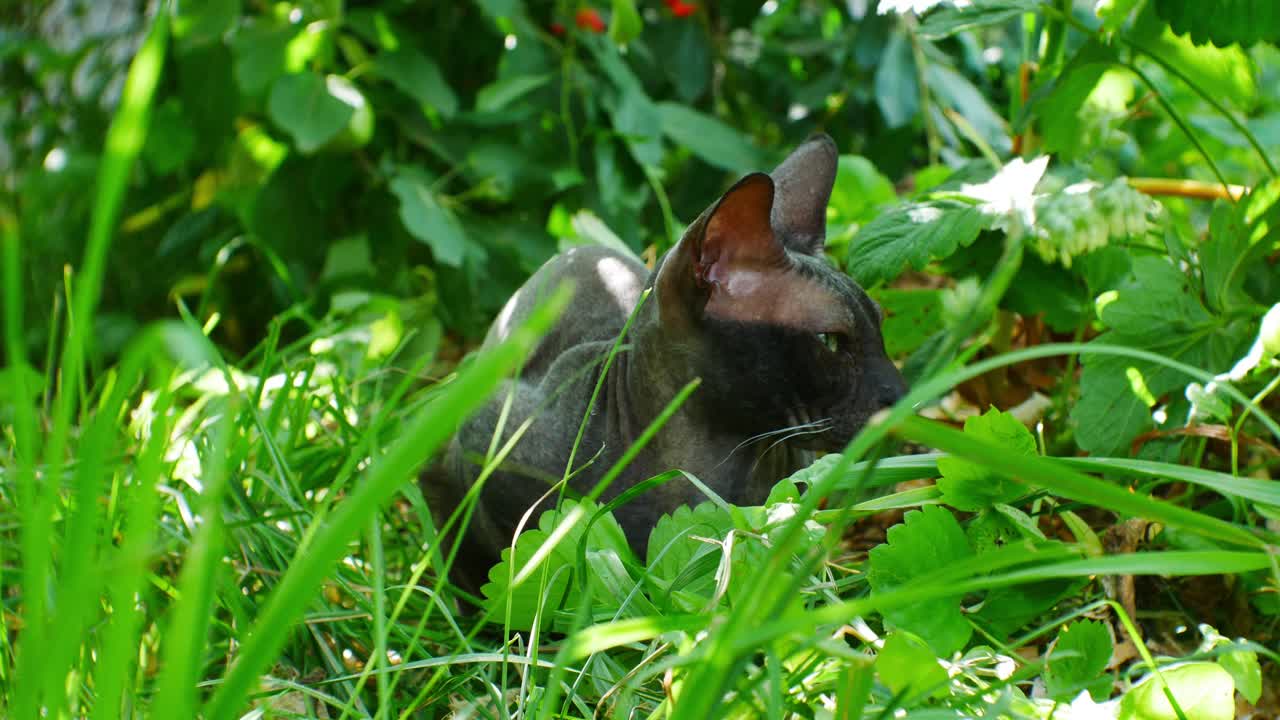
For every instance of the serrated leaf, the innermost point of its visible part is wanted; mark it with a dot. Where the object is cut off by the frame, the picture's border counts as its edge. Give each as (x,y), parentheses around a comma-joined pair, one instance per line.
(1204,691)
(1242,21)
(305,106)
(530,598)
(969,486)
(914,234)
(1078,661)
(927,540)
(675,547)
(1227,72)
(426,219)
(906,665)
(709,138)
(605,537)
(419,77)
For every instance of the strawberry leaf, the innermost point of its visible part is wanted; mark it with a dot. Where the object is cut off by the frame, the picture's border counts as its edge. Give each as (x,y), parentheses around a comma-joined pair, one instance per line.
(967,485)
(927,540)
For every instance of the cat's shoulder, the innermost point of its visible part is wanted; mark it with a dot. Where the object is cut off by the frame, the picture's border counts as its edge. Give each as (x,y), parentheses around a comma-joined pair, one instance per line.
(606,286)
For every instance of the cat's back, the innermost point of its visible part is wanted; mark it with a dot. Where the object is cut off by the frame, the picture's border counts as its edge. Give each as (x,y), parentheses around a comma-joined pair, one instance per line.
(607,284)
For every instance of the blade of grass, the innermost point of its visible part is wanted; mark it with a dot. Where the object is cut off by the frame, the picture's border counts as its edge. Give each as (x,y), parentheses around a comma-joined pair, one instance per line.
(421,437)
(128,588)
(123,143)
(185,636)
(1263,491)
(26,448)
(1060,480)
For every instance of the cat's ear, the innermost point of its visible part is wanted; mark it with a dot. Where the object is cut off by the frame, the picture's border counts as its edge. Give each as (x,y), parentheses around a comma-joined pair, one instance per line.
(738,235)
(803,187)
(732,239)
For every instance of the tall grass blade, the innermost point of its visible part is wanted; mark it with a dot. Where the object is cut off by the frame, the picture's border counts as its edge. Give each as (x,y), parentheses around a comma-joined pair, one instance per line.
(128,588)
(185,633)
(35,675)
(1060,480)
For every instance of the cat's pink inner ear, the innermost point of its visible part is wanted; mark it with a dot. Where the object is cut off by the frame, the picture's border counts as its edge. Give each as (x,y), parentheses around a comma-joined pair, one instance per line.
(738,235)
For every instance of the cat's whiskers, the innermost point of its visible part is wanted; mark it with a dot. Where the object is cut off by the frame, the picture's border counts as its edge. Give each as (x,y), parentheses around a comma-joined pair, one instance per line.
(814,428)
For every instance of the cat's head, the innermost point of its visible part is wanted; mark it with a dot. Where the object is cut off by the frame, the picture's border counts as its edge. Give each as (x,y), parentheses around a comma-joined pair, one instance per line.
(780,337)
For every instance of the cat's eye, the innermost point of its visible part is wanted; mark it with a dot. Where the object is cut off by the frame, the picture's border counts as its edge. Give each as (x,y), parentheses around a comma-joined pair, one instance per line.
(831,340)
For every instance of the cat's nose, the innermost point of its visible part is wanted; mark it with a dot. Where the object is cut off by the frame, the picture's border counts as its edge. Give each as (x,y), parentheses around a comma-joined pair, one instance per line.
(891,388)
(890,394)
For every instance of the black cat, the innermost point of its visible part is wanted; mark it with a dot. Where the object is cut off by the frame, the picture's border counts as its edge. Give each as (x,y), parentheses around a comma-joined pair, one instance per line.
(788,349)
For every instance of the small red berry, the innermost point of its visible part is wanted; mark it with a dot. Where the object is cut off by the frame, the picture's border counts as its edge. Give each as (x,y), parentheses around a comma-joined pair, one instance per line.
(589,19)
(680,8)
(557,29)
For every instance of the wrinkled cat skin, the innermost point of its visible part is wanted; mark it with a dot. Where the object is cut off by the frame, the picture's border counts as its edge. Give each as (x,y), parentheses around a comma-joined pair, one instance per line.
(788,349)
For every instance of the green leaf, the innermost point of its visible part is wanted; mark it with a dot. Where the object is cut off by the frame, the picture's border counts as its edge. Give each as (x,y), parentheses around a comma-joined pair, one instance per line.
(686,56)
(1204,691)
(859,192)
(709,138)
(928,540)
(907,666)
(418,76)
(1006,610)
(1051,291)
(1156,308)
(529,598)
(913,233)
(265,50)
(1060,108)
(499,94)
(951,20)
(625,24)
(1225,256)
(636,118)
(1114,13)
(201,23)
(1226,72)
(1223,23)
(910,317)
(1243,667)
(426,219)
(954,90)
(970,486)
(678,558)
(1078,661)
(305,106)
(897,86)
(170,140)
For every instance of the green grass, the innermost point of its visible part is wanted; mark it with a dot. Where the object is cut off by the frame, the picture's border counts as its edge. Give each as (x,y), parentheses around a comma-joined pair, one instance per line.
(182,537)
